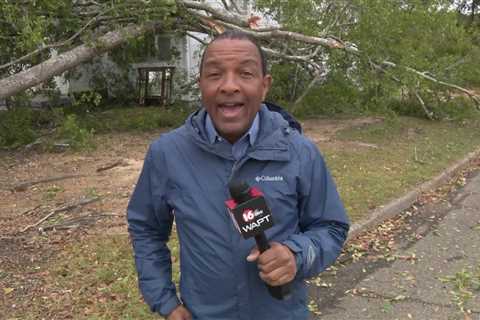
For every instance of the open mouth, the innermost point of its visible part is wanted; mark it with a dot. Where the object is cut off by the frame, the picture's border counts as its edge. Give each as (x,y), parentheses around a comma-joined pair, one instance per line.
(230,109)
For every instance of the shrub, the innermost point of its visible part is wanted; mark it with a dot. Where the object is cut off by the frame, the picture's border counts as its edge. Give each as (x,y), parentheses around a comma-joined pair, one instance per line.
(16,127)
(85,102)
(77,136)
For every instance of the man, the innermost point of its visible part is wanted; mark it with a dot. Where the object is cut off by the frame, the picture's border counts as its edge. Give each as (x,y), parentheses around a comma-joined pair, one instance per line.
(185,178)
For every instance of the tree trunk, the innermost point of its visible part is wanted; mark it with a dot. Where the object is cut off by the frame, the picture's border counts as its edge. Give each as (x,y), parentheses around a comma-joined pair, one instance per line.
(57,65)
(312,83)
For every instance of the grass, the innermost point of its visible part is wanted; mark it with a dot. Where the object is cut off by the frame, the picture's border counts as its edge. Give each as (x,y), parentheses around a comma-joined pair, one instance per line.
(98,278)
(466,286)
(409,151)
(52,192)
(135,119)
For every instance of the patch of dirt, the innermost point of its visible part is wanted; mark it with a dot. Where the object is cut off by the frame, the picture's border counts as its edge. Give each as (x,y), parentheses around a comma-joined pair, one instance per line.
(25,255)
(323,131)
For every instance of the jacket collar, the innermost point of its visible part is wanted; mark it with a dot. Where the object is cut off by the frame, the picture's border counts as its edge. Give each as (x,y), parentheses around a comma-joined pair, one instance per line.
(213,135)
(270,144)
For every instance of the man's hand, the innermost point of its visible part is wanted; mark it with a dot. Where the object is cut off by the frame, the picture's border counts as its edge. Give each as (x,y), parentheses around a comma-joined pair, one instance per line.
(180,313)
(277,265)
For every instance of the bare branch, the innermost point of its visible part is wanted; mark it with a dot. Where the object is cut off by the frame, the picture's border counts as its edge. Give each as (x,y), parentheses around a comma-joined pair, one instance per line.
(79,221)
(329,42)
(424,106)
(29,211)
(24,185)
(304,59)
(193,6)
(312,83)
(80,203)
(379,68)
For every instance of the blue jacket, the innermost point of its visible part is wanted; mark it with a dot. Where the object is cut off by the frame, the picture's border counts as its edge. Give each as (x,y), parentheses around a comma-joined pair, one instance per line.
(185,178)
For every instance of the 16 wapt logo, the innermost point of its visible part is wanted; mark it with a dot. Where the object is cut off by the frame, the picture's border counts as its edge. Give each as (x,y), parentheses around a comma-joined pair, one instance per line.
(252,217)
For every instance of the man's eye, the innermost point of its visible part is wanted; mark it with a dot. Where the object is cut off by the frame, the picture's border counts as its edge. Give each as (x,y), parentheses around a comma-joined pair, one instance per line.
(213,75)
(246,74)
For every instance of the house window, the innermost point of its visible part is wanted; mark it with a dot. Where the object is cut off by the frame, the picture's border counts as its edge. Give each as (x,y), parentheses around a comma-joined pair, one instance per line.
(155,85)
(164,47)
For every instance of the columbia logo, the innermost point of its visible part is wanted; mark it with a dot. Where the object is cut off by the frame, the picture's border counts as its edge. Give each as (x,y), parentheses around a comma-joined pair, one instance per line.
(268,178)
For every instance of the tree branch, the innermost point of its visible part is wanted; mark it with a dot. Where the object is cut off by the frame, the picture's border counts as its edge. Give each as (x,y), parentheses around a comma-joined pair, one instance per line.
(80,203)
(303,59)
(54,45)
(68,60)
(276,33)
(426,76)
(193,7)
(238,22)
(312,83)
(424,106)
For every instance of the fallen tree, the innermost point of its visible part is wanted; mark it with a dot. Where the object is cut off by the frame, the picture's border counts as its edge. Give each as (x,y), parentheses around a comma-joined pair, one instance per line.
(310,48)
(70,59)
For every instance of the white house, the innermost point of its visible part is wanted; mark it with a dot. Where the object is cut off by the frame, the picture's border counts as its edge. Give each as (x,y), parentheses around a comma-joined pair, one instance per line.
(172,64)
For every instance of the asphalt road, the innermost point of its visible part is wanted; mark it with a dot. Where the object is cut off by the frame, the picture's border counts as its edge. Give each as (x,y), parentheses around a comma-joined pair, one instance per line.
(435,275)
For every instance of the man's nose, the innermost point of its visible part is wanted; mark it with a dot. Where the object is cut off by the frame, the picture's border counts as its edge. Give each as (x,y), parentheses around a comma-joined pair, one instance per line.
(229,84)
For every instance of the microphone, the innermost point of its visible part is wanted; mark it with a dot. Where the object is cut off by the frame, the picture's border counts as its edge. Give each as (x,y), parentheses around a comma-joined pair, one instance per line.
(252,217)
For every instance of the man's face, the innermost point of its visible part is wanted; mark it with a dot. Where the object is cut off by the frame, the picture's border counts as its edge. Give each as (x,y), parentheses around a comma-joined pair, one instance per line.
(232,85)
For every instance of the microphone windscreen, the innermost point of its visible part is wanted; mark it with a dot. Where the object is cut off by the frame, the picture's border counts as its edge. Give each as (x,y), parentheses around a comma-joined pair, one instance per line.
(239,190)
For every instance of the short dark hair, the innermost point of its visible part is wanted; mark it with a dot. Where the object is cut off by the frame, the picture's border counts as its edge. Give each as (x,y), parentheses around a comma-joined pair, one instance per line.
(238,35)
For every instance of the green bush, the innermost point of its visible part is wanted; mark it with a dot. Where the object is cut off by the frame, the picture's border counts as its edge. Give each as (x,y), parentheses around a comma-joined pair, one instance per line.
(48,118)
(16,127)
(21,125)
(86,102)
(459,108)
(77,136)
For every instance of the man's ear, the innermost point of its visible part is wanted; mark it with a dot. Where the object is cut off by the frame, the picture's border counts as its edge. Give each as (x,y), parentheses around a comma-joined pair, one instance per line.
(199,82)
(267,84)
